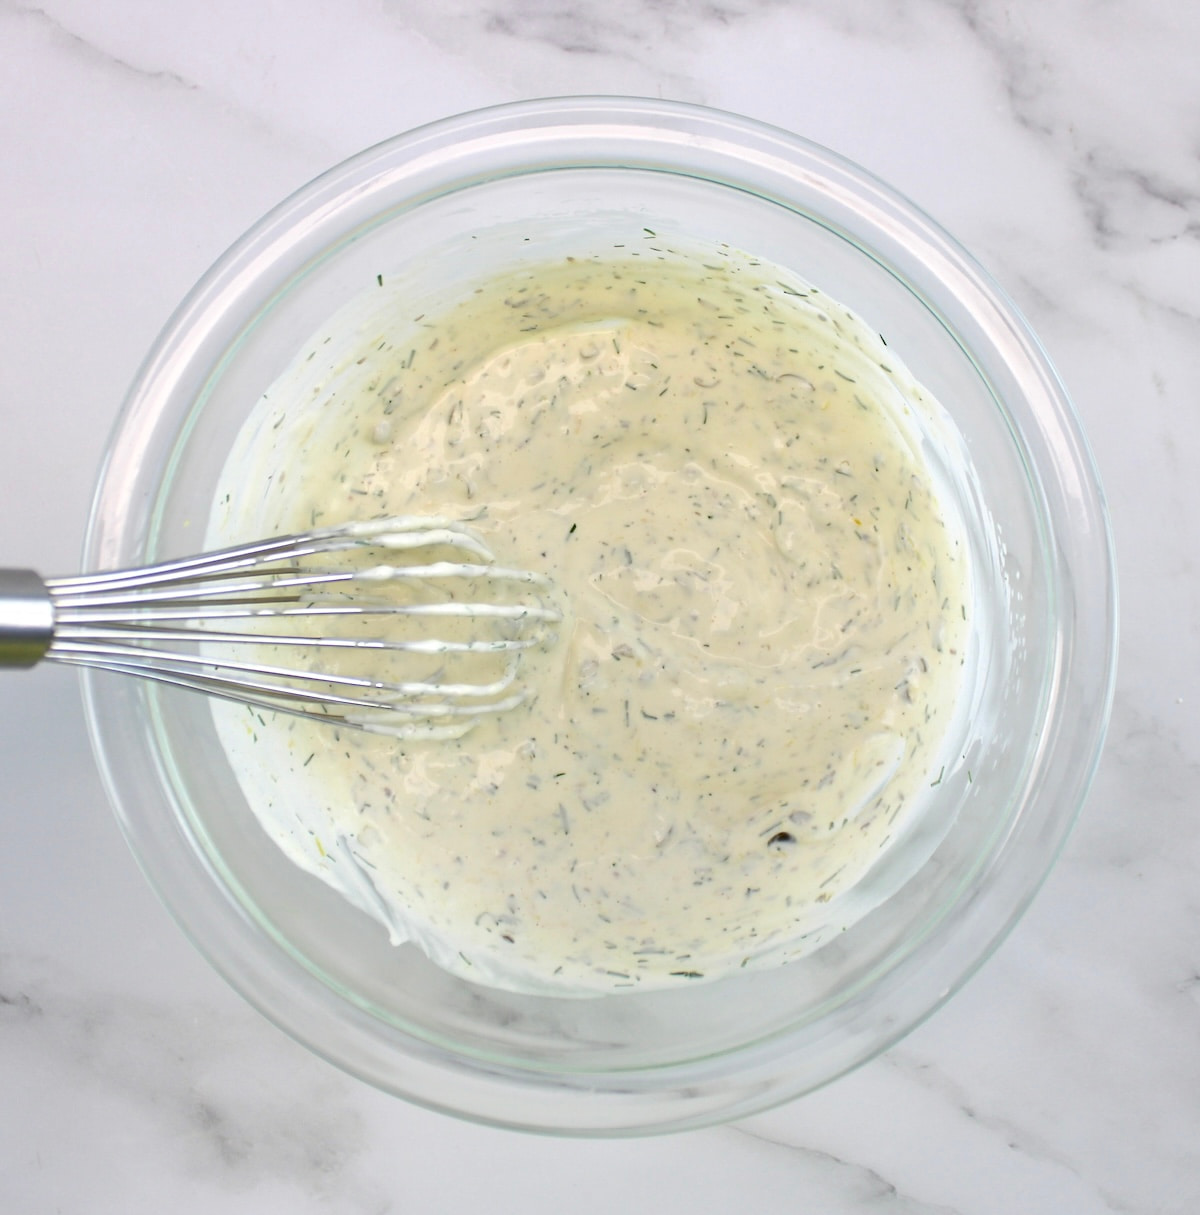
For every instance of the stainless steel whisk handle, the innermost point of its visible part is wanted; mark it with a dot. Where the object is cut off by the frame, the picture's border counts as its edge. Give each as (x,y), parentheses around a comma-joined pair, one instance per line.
(26,618)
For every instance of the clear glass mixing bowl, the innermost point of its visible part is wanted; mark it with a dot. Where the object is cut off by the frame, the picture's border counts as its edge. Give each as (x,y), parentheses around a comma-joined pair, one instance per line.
(422,206)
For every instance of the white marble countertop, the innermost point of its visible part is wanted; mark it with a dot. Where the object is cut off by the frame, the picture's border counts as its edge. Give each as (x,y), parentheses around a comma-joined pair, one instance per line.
(1060,141)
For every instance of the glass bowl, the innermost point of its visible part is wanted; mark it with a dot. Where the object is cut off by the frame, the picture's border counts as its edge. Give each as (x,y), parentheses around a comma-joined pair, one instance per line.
(439,205)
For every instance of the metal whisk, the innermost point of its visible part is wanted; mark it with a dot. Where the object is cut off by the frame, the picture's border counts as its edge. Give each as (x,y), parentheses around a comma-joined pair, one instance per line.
(217,622)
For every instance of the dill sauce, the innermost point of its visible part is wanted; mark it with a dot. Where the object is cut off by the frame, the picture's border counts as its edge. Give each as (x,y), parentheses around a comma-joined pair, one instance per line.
(765,617)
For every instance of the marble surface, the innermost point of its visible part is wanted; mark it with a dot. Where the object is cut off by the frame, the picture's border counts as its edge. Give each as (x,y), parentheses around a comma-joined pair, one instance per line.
(1061,142)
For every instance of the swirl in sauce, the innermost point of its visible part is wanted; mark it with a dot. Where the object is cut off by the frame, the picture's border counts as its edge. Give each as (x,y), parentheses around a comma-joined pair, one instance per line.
(765,599)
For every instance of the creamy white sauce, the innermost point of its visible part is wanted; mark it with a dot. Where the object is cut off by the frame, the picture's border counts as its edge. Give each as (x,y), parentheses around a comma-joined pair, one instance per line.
(765,601)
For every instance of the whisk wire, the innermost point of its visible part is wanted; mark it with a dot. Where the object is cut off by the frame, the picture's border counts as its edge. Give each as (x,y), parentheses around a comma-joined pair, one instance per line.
(121,621)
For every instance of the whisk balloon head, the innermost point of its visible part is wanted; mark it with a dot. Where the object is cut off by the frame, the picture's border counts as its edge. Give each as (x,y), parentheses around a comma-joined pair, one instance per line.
(405,626)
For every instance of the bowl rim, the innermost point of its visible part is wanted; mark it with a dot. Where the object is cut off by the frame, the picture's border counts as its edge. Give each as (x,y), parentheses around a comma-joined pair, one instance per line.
(613,1103)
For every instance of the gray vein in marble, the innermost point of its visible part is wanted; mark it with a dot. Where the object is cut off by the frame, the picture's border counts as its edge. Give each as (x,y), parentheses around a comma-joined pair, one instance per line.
(1190,987)
(857,1183)
(207,96)
(1125,197)
(614,28)
(204,1083)
(1025,82)
(1156,756)
(1126,205)
(1157,303)
(81,46)
(17,1007)
(1019,1139)
(1124,200)
(653,37)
